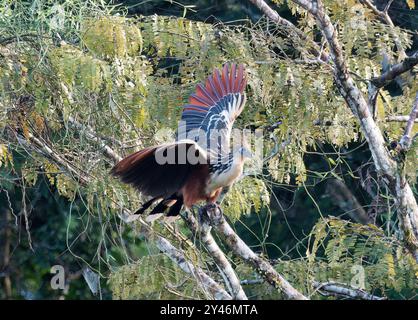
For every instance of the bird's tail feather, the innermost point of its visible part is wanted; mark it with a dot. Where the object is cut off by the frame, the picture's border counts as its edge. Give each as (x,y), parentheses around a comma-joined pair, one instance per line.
(147,204)
(173,204)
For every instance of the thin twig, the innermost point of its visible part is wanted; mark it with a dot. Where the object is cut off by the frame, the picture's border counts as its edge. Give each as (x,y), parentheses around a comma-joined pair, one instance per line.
(407,64)
(387,7)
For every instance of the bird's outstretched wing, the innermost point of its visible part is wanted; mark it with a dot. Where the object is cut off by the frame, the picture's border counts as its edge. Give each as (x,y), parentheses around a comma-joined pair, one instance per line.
(213,108)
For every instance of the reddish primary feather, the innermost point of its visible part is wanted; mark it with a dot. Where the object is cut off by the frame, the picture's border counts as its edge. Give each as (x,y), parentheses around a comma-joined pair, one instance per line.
(201,92)
(225,78)
(218,83)
(215,91)
(232,78)
(196,101)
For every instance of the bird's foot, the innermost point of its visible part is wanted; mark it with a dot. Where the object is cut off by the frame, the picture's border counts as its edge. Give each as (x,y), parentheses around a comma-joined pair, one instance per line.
(213,212)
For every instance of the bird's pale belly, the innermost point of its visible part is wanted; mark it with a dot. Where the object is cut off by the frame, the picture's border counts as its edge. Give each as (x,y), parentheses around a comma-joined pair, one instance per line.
(199,188)
(224,179)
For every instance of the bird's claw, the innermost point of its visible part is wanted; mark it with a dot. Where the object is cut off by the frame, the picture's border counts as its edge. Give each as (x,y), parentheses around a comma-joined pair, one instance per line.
(213,212)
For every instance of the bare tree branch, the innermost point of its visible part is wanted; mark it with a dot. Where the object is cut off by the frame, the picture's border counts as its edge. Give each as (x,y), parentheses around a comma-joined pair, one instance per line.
(341,290)
(330,289)
(216,253)
(407,64)
(345,199)
(239,247)
(406,140)
(388,6)
(399,119)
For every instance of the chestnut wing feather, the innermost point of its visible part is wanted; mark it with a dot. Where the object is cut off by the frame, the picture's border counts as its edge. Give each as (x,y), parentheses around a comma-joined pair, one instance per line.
(142,170)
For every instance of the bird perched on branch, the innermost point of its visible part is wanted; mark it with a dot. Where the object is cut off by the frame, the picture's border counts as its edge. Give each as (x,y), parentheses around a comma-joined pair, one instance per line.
(200,163)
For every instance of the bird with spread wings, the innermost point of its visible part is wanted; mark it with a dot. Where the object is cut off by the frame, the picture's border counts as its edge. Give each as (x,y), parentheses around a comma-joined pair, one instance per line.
(196,166)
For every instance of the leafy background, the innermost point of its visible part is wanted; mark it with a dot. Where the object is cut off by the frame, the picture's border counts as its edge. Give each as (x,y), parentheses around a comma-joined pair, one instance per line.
(124,71)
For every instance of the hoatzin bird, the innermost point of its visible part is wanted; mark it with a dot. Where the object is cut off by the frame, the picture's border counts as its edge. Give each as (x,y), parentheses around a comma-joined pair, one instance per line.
(203,162)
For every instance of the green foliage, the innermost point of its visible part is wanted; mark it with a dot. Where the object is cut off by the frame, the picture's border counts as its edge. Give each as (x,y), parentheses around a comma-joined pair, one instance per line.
(153,277)
(348,253)
(411,162)
(111,37)
(126,78)
(347,246)
(246,196)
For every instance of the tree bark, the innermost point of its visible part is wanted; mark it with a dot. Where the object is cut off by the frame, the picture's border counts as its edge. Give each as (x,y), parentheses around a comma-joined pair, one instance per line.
(388,168)
(239,247)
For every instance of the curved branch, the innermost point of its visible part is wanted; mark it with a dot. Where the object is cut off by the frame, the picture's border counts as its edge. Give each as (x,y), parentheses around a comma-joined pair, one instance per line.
(407,64)
(216,253)
(406,140)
